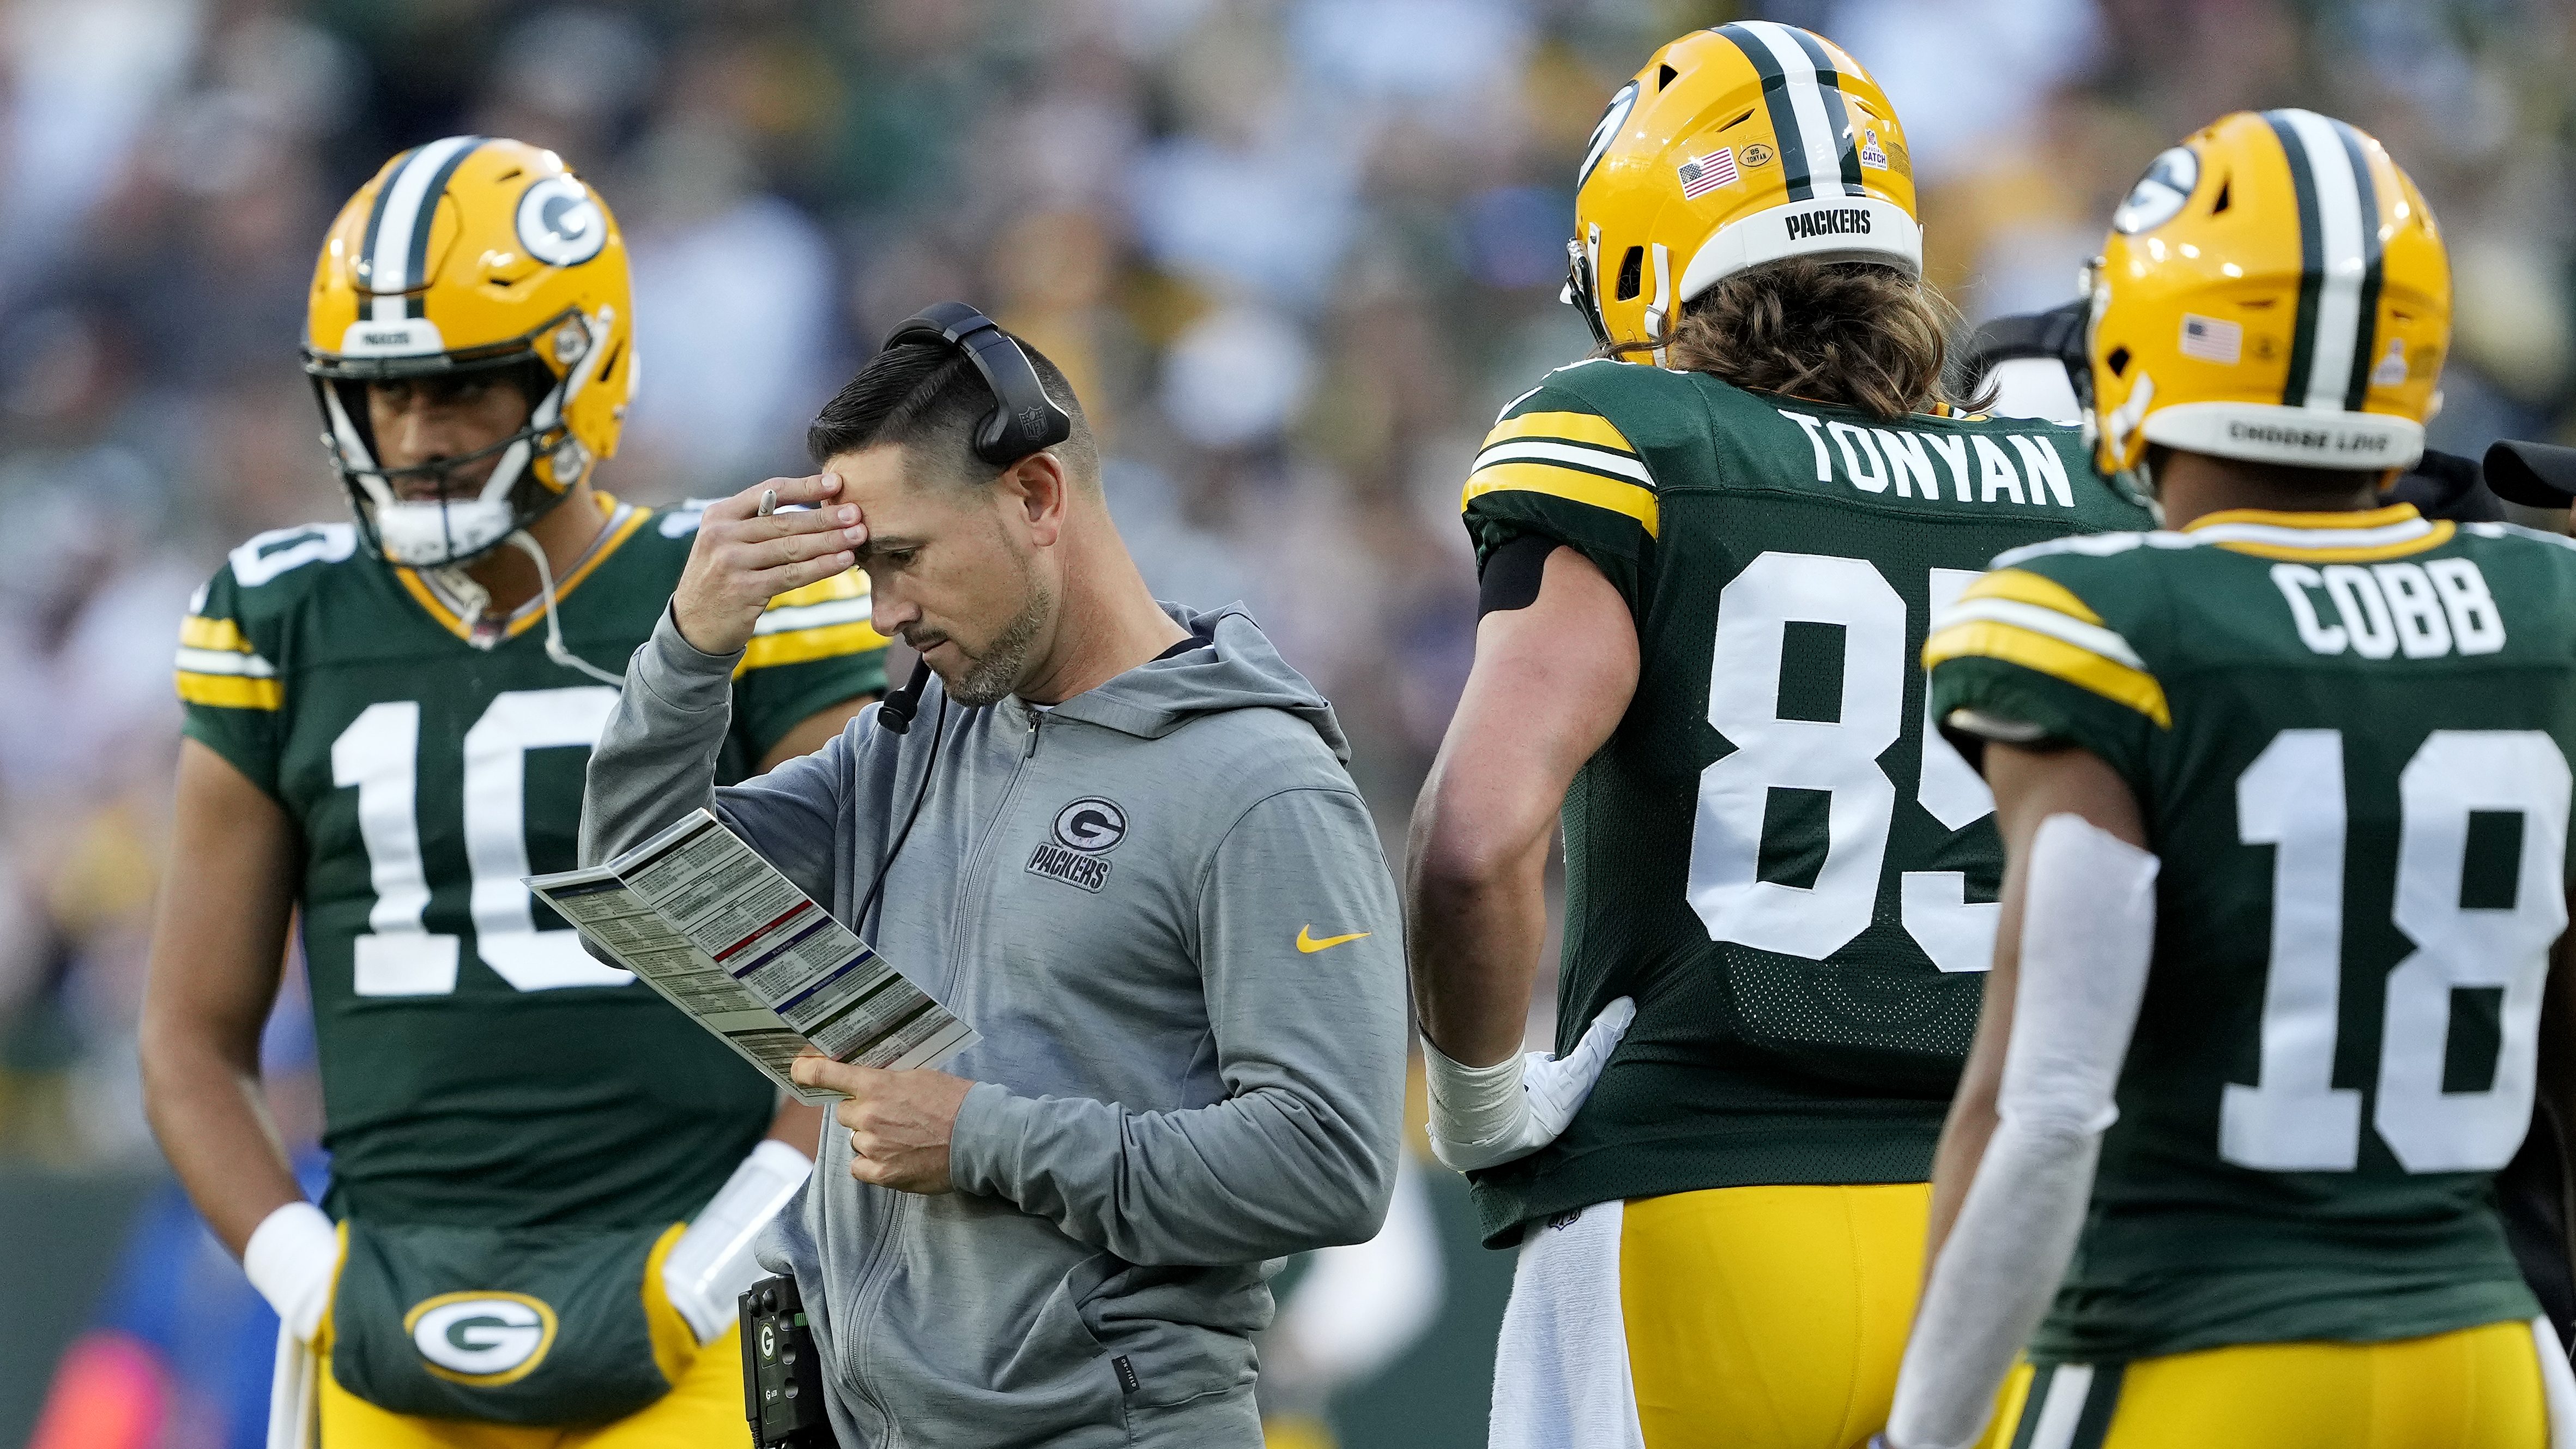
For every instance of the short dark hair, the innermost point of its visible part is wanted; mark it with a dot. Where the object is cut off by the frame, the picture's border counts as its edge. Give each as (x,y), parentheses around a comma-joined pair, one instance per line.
(927,396)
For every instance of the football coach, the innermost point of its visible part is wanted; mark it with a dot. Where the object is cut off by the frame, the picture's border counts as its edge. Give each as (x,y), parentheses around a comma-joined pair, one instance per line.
(1118,839)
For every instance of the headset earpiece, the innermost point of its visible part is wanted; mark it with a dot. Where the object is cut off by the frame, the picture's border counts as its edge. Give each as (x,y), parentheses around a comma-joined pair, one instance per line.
(1024,419)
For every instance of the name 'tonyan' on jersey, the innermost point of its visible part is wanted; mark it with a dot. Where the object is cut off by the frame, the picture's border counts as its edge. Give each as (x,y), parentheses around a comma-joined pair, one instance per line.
(1901,460)
(1775,854)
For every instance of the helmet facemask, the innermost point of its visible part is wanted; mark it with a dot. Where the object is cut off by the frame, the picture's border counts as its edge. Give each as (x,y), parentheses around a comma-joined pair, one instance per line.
(536,469)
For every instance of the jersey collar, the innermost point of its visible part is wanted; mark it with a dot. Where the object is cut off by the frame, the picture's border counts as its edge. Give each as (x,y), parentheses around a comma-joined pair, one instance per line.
(2339,537)
(461,617)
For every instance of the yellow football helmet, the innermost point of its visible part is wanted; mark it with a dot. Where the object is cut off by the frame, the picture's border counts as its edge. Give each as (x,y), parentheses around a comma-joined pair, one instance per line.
(464,254)
(2274,289)
(1734,147)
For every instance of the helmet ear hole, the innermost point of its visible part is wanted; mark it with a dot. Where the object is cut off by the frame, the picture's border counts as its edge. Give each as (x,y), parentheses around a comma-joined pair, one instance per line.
(2118,362)
(1666,76)
(1631,274)
(2226,191)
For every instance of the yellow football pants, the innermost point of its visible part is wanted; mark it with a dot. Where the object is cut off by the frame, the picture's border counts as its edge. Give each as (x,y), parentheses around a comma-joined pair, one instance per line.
(704,1410)
(1737,1318)
(1769,1317)
(2478,1388)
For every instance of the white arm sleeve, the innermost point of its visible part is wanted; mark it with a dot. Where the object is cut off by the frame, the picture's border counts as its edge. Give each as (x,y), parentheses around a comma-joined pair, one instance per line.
(2088,931)
(711,1264)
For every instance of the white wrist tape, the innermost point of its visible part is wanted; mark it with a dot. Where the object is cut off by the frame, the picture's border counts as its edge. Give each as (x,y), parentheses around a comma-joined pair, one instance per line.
(1482,1116)
(708,1268)
(2087,936)
(1474,1104)
(292,1258)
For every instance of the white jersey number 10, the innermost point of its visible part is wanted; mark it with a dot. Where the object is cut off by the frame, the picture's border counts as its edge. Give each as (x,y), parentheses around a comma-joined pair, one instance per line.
(379,753)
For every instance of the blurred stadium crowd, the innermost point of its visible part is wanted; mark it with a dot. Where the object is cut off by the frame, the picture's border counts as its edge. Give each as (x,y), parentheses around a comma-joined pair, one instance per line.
(1294,253)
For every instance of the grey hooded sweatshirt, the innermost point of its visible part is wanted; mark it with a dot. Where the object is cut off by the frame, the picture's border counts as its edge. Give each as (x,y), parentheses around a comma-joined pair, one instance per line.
(1164,905)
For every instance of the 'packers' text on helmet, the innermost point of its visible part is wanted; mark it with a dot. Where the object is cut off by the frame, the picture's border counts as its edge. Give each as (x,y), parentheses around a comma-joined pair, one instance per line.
(466,254)
(2275,290)
(1734,147)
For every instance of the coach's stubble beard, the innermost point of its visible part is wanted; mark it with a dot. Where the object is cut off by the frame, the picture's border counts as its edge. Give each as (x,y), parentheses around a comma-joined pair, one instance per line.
(994,672)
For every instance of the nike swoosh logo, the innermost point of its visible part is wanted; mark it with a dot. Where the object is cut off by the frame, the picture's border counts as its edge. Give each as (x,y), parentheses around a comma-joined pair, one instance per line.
(1307,943)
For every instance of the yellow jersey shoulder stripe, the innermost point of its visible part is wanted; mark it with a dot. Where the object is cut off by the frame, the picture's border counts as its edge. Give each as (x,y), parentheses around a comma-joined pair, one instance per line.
(1603,461)
(2091,638)
(1580,457)
(1568,427)
(823,620)
(803,645)
(2046,653)
(1572,484)
(216,666)
(230,691)
(847,584)
(2023,586)
(197,631)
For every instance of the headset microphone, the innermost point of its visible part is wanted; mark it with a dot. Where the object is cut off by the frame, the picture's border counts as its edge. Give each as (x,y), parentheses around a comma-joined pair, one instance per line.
(895,715)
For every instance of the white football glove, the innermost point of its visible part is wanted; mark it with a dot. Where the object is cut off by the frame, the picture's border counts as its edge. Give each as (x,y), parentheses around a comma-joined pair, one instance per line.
(1482,1116)
(292,1258)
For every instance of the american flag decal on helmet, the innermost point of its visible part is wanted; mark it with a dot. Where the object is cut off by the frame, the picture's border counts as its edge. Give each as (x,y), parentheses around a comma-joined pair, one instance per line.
(1707,173)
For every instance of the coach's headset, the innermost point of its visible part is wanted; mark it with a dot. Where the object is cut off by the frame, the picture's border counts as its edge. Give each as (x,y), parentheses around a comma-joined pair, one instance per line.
(1024,420)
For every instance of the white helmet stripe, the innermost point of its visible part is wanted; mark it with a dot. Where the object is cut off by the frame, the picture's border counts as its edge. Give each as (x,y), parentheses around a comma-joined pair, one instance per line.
(388,270)
(1820,127)
(2343,238)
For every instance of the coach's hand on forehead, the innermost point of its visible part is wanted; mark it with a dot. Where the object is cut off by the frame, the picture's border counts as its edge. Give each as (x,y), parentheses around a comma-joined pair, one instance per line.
(743,559)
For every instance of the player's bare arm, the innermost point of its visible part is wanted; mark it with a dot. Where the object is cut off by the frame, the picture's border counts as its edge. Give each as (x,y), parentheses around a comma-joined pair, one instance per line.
(1555,669)
(2557,1062)
(1550,683)
(2030,785)
(218,951)
(743,558)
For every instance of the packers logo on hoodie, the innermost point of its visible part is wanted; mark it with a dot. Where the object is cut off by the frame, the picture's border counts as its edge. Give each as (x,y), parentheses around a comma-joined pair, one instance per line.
(1085,832)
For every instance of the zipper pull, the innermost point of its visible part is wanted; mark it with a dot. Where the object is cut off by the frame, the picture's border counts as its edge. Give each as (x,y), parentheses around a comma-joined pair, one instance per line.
(1036,717)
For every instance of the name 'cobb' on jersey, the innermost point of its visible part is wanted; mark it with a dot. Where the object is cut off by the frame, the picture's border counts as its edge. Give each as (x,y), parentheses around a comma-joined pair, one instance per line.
(1775,854)
(2350,734)
(478,1067)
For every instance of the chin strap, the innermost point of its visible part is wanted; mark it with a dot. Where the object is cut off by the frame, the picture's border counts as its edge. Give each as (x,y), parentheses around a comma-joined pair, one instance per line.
(555,649)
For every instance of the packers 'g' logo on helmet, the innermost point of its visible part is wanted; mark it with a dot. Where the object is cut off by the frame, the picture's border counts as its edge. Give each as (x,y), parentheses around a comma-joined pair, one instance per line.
(468,254)
(1734,147)
(2273,289)
(561,223)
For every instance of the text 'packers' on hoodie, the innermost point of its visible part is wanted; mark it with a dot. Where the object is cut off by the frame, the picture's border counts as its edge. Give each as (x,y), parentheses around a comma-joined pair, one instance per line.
(1164,906)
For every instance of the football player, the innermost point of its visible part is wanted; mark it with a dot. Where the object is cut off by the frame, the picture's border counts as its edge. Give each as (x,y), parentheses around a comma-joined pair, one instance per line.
(386,726)
(2285,799)
(1708,558)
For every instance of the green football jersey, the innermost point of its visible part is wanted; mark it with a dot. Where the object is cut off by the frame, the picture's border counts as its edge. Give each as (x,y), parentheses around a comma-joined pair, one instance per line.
(1775,854)
(477,1066)
(2348,735)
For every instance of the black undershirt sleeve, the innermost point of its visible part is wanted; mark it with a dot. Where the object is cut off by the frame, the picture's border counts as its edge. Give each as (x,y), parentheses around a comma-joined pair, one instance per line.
(1512,573)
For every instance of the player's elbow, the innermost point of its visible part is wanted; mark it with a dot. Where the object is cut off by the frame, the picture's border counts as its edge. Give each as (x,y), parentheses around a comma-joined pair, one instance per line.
(1457,857)
(181,1056)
